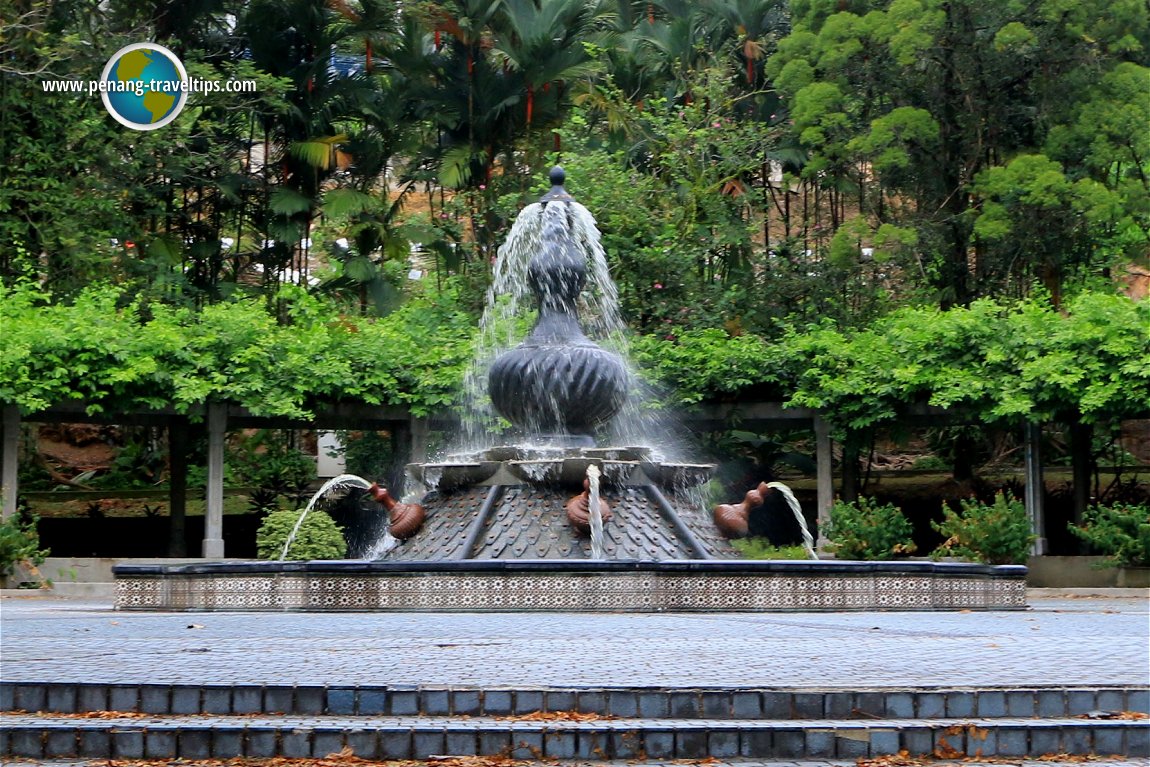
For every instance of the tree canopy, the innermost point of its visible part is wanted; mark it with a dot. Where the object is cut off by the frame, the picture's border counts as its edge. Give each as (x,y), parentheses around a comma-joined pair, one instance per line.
(846,205)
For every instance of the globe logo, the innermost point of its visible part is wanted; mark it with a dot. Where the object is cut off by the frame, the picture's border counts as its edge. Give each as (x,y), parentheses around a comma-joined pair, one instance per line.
(143,86)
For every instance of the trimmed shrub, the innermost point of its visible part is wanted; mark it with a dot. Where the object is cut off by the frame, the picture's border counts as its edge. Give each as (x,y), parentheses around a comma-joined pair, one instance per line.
(761,548)
(995,534)
(319,537)
(1120,532)
(869,531)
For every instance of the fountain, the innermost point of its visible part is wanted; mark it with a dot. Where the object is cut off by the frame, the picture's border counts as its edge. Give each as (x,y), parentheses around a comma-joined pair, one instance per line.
(551,521)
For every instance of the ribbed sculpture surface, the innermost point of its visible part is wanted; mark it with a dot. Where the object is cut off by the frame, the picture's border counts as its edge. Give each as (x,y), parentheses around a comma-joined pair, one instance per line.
(558,382)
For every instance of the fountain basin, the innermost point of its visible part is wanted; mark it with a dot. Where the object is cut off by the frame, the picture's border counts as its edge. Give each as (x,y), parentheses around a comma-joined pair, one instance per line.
(570,586)
(448,476)
(571,471)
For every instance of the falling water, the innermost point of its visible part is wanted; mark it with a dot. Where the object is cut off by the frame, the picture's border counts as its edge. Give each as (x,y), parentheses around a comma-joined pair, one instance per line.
(808,541)
(385,544)
(594,513)
(343,480)
(510,302)
(508,297)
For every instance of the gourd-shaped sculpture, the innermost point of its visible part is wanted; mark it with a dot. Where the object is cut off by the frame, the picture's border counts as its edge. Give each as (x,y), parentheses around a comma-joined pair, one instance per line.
(579,510)
(404,519)
(558,383)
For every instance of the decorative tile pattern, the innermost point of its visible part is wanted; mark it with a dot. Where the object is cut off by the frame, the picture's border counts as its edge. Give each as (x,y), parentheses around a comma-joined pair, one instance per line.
(903,592)
(959,593)
(696,588)
(139,593)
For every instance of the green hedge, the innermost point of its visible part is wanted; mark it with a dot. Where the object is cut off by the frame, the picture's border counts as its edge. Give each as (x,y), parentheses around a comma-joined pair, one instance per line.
(1001,361)
(116,354)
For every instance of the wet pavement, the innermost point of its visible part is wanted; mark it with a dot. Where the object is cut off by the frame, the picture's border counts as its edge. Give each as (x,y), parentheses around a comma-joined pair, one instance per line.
(1083,641)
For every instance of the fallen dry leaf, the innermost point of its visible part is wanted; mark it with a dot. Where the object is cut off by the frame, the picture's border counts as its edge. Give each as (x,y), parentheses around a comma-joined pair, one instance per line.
(92,715)
(1067,758)
(558,716)
(475,761)
(344,758)
(946,751)
(901,759)
(1122,715)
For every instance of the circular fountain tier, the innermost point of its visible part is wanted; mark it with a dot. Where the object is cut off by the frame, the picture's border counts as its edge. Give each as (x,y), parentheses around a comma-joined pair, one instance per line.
(511,503)
(557,389)
(558,382)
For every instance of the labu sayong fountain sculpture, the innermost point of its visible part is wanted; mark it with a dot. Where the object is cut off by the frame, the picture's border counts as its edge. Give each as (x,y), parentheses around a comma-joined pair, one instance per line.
(552,522)
(558,383)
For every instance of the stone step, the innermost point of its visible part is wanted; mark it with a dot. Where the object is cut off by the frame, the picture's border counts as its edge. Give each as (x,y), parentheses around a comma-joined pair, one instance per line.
(38,736)
(647,702)
(1066,761)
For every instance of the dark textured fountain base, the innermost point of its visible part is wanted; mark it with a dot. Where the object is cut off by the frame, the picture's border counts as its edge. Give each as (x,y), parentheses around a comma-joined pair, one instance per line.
(560,586)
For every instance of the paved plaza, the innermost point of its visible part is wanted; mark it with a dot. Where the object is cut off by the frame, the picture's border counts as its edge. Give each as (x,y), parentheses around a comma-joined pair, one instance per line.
(1084,641)
(1089,642)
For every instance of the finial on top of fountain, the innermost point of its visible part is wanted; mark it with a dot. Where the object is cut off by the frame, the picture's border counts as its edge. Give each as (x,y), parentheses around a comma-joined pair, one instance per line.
(557,176)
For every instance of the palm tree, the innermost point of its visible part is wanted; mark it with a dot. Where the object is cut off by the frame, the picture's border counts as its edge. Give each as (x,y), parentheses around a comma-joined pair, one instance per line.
(749,27)
(540,42)
(672,38)
(332,112)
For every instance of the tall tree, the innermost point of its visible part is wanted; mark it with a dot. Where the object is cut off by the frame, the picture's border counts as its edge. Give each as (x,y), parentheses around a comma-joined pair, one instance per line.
(911,101)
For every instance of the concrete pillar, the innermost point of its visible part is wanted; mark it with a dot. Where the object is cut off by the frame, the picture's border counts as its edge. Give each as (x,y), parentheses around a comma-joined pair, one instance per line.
(11,461)
(214,520)
(824,480)
(1034,489)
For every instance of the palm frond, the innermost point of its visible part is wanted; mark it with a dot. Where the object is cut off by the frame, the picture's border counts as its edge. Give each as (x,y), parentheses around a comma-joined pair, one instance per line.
(317,152)
(344,202)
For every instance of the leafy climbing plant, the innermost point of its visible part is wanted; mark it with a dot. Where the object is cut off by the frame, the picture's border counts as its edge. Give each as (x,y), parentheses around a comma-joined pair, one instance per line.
(116,353)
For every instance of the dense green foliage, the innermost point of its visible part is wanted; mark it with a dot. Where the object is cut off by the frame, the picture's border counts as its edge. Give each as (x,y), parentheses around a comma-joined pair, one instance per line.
(999,361)
(868,530)
(118,354)
(761,548)
(1121,532)
(790,195)
(752,160)
(976,144)
(319,537)
(19,544)
(996,533)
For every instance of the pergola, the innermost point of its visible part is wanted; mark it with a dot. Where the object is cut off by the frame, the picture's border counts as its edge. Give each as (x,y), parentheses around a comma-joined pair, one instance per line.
(410,437)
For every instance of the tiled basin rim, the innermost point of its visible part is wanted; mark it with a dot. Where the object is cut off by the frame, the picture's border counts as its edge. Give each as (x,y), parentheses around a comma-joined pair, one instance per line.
(581,586)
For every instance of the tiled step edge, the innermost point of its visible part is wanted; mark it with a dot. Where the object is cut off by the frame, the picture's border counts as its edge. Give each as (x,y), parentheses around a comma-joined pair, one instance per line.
(420,737)
(782,704)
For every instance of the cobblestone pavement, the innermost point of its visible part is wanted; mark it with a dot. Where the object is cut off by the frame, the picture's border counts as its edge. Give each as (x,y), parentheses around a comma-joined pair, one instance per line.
(1086,641)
